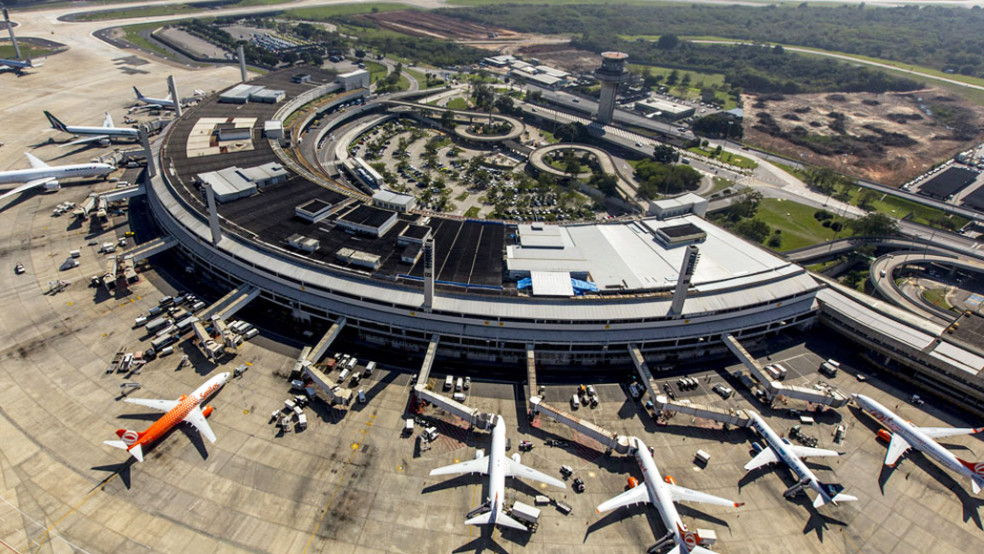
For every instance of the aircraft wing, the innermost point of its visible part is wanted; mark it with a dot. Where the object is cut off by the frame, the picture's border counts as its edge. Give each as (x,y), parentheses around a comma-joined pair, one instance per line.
(807,452)
(940,432)
(159,405)
(36,163)
(197,419)
(516,469)
(683,494)
(636,495)
(108,122)
(85,140)
(26,186)
(765,457)
(480,465)
(896,449)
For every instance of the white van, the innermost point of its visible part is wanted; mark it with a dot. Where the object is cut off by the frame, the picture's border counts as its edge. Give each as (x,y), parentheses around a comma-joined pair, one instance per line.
(351,363)
(343,375)
(575,403)
(459,385)
(448,382)
(370,367)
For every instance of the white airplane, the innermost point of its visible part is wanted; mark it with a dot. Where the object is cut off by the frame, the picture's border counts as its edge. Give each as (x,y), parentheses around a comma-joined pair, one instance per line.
(184,409)
(903,435)
(662,494)
(102,135)
(42,174)
(19,65)
(497,466)
(163,103)
(781,451)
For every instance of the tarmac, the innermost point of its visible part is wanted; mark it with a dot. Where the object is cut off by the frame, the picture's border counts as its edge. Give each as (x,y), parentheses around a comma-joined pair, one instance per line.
(349,482)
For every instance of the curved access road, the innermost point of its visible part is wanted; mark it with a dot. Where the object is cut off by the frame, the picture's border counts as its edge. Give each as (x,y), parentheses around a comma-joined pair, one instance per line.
(626,185)
(882,278)
(852,59)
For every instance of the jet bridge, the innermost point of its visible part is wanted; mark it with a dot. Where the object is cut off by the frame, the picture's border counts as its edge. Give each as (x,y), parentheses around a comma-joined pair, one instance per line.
(123,194)
(661,402)
(737,418)
(327,389)
(237,302)
(471,415)
(425,368)
(319,349)
(827,396)
(607,439)
(143,251)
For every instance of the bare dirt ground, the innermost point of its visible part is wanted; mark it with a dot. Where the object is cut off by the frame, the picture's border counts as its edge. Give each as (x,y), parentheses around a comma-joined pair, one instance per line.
(562,56)
(888,138)
(423,24)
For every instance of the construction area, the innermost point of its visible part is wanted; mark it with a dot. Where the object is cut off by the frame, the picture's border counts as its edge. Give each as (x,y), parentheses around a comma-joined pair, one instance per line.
(886,138)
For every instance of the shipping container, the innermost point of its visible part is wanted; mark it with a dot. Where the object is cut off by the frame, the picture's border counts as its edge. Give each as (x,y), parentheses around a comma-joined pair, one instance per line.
(157,324)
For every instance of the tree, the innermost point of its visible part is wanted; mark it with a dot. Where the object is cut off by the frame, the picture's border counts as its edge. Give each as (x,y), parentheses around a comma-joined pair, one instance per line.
(505,104)
(873,225)
(667,42)
(674,78)
(665,154)
(571,132)
(865,198)
(482,96)
(754,230)
(823,179)
(447,119)
(744,205)
(718,125)
(606,183)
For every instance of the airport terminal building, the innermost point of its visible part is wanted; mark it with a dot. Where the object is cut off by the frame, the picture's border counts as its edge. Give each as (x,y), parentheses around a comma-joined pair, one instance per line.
(579,294)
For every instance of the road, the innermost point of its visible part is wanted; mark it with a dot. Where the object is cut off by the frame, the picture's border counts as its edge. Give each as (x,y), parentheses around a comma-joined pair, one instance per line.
(852,59)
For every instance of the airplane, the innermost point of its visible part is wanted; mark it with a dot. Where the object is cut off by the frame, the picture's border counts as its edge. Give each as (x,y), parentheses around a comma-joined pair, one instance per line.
(42,174)
(781,451)
(662,494)
(186,408)
(163,103)
(19,66)
(497,466)
(102,135)
(902,436)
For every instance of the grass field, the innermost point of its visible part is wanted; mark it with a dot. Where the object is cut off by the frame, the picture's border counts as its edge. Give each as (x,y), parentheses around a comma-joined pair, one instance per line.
(27,51)
(886,204)
(937,297)
(726,157)
(472,211)
(457,104)
(133,37)
(171,9)
(720,183)
(376,71)
(321,13)
(796,222)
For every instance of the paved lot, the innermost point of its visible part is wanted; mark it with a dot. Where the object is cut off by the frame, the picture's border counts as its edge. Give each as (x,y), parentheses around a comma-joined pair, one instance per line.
(349,483)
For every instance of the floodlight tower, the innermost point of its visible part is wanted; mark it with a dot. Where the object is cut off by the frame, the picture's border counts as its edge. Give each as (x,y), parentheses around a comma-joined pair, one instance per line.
(13,39)
(611,74)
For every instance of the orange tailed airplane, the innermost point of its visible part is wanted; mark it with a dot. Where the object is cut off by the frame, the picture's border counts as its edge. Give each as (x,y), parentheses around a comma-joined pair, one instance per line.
(186,408)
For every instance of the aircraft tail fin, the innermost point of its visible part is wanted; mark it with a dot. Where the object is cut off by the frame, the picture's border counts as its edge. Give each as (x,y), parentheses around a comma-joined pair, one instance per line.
(135,451)
(493,518)
(55,122)
(139,96)
(977,477)
(832,491)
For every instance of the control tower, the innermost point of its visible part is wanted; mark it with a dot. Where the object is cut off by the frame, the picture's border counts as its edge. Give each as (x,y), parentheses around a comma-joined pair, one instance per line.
(611,74)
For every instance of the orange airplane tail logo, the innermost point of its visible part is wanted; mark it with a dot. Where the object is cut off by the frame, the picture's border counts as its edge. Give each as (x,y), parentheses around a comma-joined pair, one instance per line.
(976,467)
(127,436)
(690,538)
